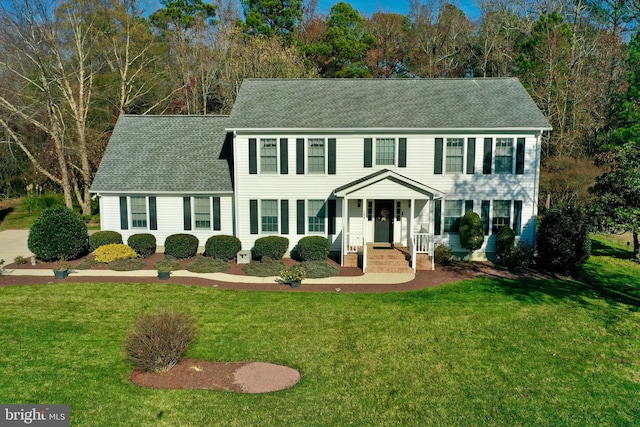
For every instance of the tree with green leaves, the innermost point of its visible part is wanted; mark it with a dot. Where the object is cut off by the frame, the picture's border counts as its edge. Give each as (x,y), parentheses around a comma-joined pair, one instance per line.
(272,17)
(471,231)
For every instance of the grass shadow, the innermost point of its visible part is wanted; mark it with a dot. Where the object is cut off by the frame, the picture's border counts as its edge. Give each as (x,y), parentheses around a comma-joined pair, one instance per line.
(599,248)
(4,212)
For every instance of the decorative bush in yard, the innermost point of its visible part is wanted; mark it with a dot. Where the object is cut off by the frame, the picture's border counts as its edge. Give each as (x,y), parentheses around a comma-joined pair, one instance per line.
(442,255)
(320,269)
(143,243)
(157,342)
(266,267)
(129,264)
(101,238)
(222,247)
(208,265)
(181,246)
(58,233)
(314,248)
(168,263)
(114,251)
(273,247)
(505,241)
(471,231)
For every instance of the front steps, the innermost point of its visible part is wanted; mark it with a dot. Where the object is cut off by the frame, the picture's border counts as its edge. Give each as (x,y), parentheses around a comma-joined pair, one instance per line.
(383,258)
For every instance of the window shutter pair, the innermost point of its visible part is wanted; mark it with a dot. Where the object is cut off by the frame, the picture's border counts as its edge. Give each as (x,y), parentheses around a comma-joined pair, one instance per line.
(253,156)
(284,216)
(124,213)
(402,152)
(186,204)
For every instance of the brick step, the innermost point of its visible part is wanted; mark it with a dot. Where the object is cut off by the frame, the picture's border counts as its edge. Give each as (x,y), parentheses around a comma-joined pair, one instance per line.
(385,269)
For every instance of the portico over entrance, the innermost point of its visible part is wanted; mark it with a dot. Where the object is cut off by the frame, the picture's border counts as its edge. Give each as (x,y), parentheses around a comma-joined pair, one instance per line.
(387,209)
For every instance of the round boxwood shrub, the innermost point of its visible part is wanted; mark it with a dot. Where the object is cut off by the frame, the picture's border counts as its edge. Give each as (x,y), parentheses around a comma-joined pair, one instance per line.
(442,254)
(114,251)
(471,231)
(505,241)
(101,238)
(144,244)
(58,233)
(314,248)
(222,247)
(273,247)
(181,246)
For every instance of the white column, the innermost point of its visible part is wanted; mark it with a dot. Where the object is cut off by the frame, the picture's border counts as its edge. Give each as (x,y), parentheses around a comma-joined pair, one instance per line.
(345,228)
(365,208)
(413,243)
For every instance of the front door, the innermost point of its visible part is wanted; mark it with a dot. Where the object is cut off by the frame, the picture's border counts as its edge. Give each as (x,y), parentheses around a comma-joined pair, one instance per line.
(383,229)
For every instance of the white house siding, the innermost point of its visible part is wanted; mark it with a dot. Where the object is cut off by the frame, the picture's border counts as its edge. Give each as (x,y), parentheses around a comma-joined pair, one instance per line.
(350,167)
(169,216)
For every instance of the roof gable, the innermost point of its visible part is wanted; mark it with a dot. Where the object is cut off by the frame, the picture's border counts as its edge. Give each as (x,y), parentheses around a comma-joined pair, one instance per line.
(386,175)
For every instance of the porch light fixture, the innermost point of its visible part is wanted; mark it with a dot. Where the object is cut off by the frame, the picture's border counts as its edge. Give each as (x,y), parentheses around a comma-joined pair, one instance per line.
(359,202)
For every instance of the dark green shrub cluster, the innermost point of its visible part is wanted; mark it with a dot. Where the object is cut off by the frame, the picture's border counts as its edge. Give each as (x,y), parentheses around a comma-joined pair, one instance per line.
(521,256)
(505,241)
(266,267)
(208,265)
(130,264)
(442,255)
(181,246)
(144,244)
(320,269)
(157,342)
(105,237)
(168,263)
(314,248)
(273,247)
(471,231)
(222,247)
(58,233)
(563,239)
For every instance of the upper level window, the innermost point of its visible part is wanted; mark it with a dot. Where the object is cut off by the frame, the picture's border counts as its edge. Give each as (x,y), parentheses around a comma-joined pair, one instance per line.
(385,151)
(452,214)
(316,216)
(268,155)
(202,212)
(455,154)
(504,155)
(269,216)
(316,155)
(501,214)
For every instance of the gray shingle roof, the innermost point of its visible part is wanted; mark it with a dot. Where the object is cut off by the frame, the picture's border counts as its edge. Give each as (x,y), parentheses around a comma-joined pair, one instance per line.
(491,103)
(166,154)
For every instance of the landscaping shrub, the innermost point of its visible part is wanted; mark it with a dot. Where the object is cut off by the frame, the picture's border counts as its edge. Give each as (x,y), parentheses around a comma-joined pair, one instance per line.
(114,251)
(19,260)
(222,247)
(314,248)
(505,241)
(168,263)
(208,265)
(563,239)
(1,267)
(520,257)
(320,269)
(157,342)
(129,264)
(87,264)
(442,255)
(58,233)
(471,231)
(266,267)
(101,238)
(181,246)
(144,244)
(273,247)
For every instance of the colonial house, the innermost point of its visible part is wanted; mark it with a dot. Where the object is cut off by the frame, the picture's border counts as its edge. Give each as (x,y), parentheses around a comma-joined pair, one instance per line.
(366,163)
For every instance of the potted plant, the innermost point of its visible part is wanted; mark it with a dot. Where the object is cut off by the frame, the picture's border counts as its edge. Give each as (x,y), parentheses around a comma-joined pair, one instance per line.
(164,271)
(293,275)
(62,269)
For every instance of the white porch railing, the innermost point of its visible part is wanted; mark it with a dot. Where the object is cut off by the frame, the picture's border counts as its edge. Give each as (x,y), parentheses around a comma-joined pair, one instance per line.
(421,243)
(355,243)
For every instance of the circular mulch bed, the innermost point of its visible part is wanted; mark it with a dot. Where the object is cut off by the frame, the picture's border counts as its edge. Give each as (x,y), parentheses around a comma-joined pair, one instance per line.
(242,377)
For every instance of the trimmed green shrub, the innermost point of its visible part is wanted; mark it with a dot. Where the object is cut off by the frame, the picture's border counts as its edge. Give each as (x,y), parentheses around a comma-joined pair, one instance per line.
(181,246)
(114,251)
(442,255)
(222,247)
(208,265)
(563,239)
(58,233)
(168,263)
(87,264)
(505,241)
(314,248)
(471,231)
(144,244)
(520,257)
(157,342)
(19,260)
(266,267)
(273,247)
(101,238)
(320,269)
(129,264)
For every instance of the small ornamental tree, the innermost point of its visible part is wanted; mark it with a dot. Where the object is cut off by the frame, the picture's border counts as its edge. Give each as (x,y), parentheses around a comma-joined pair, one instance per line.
(58,233)
(471,231)
(505,242)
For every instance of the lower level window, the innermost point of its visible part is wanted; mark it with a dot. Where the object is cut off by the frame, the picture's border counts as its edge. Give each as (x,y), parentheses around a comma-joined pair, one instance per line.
(316,216)
(202,212)
(501,214)
(138,212)
(452,213)
(269,215)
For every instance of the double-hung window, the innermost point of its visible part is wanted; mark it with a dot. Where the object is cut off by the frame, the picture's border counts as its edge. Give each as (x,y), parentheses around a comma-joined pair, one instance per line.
(202,212)
(501,214)
(385,151)
(269,216)
(452,214)
(455,155)
(269,155)
(504,155)
(316,216)
(138,212)
(316,155)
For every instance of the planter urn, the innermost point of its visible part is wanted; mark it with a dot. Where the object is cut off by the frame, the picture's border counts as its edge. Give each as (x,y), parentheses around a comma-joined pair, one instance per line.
(164,275)
(60,274)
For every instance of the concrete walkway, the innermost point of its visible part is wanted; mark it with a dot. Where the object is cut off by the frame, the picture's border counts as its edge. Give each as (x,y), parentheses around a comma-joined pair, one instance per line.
(13,243)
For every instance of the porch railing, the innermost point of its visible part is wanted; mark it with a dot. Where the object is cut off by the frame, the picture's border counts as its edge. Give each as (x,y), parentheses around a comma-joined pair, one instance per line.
(421,243)
(355,243)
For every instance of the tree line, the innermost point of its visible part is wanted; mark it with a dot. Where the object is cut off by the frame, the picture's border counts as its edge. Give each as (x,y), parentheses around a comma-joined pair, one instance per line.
(68,69)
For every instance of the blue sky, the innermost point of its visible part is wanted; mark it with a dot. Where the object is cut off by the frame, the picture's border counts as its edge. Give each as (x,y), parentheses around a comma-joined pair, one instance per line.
(368,7)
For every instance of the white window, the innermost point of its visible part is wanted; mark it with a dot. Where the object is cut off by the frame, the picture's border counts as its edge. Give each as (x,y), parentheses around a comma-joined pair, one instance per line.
(202,212)
(268,155)
(269,216)
(138,212)
(452,214)
(316,155)
(385,151)
(316,216)
(455,155)
(504,155)
(501,214)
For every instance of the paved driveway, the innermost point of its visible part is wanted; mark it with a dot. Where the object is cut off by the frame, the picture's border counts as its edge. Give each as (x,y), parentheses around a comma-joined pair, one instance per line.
(12,244)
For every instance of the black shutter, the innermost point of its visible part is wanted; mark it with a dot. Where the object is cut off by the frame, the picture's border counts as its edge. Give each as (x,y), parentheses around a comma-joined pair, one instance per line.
(437,166)
(284,156)
(253,156)
(437,220)
(468,206)
(186,203)
(253,216)
(368,152)
(471,156)
(300,156)
(485,216)
(153,214)
(517,217)
(300,216)
(520,156)
(124,214)
(402,153)
(332,216)
(284,217)
(216,213)
(488,156)
(332,156)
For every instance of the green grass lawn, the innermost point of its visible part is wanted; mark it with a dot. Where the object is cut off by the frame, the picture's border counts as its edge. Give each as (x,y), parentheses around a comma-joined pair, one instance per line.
(479,352)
